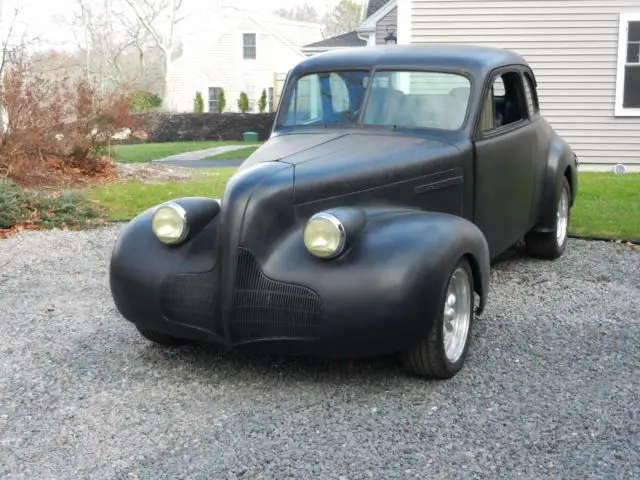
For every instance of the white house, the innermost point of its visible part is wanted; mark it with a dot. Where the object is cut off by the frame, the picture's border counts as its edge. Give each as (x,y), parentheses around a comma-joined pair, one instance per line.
(585,54)
(236,50)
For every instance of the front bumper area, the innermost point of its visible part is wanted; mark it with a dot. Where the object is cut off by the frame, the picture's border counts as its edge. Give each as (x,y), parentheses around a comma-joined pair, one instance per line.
(178,291)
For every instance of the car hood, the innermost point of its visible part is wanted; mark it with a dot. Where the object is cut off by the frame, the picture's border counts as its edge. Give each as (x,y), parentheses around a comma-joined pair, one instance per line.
(331,164)
(303,147)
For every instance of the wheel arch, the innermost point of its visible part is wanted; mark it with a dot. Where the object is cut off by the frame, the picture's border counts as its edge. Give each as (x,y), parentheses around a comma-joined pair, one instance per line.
(561,163)
(479,286)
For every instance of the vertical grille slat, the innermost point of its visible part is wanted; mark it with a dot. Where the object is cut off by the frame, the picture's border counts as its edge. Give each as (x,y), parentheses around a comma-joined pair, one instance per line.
(264,308)
(189,298)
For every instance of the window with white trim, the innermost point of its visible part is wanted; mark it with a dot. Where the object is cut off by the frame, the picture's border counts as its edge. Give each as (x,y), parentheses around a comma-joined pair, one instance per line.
(249,46)
(214,95)
(628,74)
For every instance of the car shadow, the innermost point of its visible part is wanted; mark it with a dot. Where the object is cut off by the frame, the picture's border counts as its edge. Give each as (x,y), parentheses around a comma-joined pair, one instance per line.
(206,361)
(512,256)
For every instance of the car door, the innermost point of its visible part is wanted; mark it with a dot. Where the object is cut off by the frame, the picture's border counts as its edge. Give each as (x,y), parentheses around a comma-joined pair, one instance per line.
(505,143)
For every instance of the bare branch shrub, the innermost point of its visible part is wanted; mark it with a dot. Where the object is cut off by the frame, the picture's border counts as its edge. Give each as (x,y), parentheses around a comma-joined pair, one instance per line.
(54,120)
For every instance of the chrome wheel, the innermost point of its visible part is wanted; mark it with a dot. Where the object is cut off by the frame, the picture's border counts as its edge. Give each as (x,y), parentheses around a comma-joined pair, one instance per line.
(457,315)
(562,217)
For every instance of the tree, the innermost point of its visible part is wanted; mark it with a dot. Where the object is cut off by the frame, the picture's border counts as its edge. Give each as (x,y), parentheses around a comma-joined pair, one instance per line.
(149,13)
(222,101)
(300,13)
(345,17)
(243,102)
(262,103)
(198,103)
(8,51)
(106,42)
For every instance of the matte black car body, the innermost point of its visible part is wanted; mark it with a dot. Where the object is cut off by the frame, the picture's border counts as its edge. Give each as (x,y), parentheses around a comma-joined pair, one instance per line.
(244,277)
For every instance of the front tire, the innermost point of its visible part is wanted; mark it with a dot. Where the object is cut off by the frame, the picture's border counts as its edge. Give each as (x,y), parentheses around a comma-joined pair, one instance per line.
(551,245)
(161,338)
(442,354)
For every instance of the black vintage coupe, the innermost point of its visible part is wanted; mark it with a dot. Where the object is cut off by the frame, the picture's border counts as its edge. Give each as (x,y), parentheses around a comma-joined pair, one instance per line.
(366,224)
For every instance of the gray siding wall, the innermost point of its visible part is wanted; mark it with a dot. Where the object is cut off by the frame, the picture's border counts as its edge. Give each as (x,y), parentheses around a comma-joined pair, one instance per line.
(390,18)
(572,47)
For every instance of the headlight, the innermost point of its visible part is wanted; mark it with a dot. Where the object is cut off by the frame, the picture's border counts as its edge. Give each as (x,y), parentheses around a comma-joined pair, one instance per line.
(324,235)
(169,223)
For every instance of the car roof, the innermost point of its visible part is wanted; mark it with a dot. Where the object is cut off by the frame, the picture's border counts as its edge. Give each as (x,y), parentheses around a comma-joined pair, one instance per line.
(474,59)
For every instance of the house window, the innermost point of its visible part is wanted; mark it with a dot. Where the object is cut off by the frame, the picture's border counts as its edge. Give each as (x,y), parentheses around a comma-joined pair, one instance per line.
(249,46)
(214,93)
(628,75)
(270,97)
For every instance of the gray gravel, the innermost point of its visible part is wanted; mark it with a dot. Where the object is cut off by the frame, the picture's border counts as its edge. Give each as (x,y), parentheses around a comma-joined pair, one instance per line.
(551,387)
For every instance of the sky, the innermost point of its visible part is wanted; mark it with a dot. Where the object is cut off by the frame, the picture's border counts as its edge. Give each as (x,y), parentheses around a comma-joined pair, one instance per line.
(37,17)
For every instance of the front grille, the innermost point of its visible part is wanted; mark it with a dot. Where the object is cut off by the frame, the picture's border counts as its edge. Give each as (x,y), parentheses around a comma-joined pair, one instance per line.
(189,298)
(265,308)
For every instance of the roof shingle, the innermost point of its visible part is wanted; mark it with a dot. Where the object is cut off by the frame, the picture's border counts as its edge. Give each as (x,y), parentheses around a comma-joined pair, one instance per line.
(349,39)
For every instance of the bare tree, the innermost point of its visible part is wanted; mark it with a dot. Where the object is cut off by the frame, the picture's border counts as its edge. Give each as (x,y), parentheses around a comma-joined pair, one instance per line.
(300,13)
(7,50)
(147,12)
(345,17)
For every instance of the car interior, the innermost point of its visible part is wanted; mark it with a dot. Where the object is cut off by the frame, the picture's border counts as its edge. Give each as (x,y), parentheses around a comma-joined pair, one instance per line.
(389,106)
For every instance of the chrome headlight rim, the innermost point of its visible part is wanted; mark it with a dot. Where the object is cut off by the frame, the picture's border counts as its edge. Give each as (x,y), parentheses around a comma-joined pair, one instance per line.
(339,228)
(182,214)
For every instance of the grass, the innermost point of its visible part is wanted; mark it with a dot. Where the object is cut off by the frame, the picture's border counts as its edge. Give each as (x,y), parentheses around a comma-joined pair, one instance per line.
(608,205)
(146,152)
(128,199)
(240,154)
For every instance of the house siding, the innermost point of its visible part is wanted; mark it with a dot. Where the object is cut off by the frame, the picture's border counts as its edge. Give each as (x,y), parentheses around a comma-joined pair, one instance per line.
(572,48)
(218,62)
(389,19)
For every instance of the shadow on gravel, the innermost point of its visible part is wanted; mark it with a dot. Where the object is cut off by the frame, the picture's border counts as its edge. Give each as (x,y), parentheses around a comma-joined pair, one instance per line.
(207,360)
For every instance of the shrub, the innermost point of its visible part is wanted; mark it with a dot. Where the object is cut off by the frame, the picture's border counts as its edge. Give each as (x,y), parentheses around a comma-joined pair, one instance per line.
(262,103)
(198,103)
(56,118)
(142,100)
(222,101)
(243,102)
(13,203)
(67,209)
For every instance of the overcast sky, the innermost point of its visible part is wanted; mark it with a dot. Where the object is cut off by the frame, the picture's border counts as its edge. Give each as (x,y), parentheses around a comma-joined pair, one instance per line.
(37,17)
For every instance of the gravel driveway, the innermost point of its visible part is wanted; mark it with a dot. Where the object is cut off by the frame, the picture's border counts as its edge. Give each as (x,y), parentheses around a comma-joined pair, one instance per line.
(551,387)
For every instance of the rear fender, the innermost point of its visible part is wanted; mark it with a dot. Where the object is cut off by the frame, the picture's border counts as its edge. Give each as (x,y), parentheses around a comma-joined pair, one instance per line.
(561,159)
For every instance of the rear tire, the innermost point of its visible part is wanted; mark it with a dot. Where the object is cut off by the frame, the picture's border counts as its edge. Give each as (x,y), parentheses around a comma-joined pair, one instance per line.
(442,354)
(161,338)
(551,245)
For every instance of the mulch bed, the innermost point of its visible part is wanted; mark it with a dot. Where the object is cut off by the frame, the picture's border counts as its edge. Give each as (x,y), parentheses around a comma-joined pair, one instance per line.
(54,175)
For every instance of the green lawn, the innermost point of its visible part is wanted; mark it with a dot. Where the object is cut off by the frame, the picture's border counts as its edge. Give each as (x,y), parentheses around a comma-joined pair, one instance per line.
(146,152)
(240,154)
(608,205)
(128,199)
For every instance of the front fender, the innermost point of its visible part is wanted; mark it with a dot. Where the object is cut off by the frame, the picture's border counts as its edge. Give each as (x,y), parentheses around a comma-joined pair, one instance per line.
(387,287)
(145,274)
(561,161)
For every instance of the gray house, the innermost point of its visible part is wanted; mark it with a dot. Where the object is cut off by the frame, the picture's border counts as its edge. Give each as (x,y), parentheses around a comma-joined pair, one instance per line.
(586,56)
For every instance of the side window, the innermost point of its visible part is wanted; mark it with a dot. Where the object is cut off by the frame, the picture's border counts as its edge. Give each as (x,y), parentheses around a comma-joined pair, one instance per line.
(487,121)
(505,102)
(530,93)
(498,87)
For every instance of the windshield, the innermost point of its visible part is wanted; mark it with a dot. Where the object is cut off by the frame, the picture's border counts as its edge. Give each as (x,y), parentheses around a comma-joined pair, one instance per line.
(397,99)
